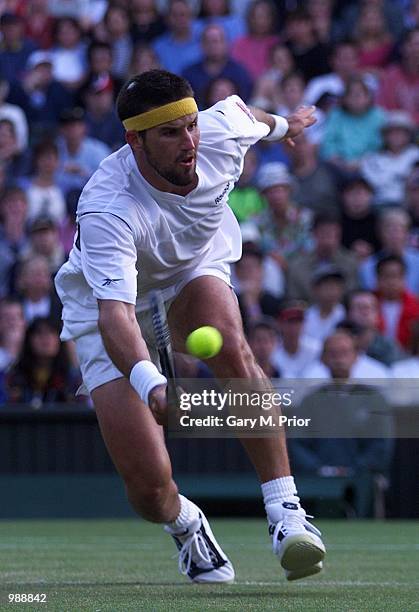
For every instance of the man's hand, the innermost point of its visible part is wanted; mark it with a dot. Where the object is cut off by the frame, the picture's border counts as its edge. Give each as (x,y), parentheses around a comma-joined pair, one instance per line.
(157,402)
(298,121)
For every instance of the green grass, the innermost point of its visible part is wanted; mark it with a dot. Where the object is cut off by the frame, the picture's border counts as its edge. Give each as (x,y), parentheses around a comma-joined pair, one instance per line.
(127,565)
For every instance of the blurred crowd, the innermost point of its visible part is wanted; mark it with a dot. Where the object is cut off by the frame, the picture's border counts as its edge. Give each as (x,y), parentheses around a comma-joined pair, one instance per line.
(328,284)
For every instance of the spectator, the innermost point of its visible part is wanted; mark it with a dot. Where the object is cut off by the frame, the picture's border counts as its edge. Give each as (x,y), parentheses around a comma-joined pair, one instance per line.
(219,89)
(409,368)
(321,17)
(292,97)
(338,410)
(143,58)
(296,351)
(363,311)
(399,88)
(101,119)
(146,22)
(179,47)
(412,204)
(15,162)
(327,310)
(253,49)
(314,184)
(310,55)
(375,43)
(36,291)
(43,195)
(263,336)
(12,332)
(284,227)
(245,200)
(344,64)
(399,308)
(69,53)
(253,300)
(341,359)
(117,25)
(44,240)
(393,230)
(388,169)
(368,367)
(99,66)
(79,154)
(359,220)
(43,372)
(15,49)
(327,249)
(267,94)
(216,64)
(39,23)
(353,129)
(219,12)
(15,114)
(393,13)
(40,95)
(13,239)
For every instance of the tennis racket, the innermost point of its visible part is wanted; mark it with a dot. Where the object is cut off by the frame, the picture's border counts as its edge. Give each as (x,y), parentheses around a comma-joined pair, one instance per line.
(164,346)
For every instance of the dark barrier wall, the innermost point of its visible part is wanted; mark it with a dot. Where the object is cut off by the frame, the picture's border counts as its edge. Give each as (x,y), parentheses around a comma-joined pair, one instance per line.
(53,462)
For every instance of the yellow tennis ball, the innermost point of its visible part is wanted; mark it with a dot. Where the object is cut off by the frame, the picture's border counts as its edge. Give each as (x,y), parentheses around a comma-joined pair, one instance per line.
(204,342)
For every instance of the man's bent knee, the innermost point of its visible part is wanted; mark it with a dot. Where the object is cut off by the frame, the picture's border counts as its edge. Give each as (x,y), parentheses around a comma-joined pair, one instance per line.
(154,501)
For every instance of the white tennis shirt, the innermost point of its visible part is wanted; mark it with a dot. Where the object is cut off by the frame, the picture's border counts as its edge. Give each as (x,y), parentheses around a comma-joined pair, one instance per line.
(134,238)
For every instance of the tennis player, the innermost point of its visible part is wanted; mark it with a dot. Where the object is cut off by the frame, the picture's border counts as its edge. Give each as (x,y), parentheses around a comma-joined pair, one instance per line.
(155,216)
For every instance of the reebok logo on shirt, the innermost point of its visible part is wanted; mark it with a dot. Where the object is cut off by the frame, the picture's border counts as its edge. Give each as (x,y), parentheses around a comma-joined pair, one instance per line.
(222,194)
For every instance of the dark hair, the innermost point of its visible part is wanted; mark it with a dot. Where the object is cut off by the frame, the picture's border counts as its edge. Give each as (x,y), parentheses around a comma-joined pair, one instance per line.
(294,74)
(386,259)
(26,365)
(356,80)
(149,90)
(265,322)
(325,218)
(97,44)
(65,19)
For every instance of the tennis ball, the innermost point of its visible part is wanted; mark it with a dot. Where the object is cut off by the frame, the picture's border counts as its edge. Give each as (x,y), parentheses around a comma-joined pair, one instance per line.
(204,342)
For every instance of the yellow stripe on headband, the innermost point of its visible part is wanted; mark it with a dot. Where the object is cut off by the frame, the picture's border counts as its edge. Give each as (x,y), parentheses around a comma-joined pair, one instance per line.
(161,114)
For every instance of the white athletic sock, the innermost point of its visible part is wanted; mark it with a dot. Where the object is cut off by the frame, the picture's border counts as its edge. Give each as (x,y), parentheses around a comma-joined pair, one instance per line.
(188,513)
(277,491)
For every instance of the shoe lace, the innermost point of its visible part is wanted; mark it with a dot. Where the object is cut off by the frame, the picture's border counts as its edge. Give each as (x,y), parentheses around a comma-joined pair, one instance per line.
(293,521)
(194,546)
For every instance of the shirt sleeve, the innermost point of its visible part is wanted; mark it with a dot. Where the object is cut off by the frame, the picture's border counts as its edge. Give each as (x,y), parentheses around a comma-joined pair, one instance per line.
(109,257)
(240,120)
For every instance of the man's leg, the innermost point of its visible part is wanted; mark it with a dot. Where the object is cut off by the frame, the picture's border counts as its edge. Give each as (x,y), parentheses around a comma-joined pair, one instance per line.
(136,445)
(208,300)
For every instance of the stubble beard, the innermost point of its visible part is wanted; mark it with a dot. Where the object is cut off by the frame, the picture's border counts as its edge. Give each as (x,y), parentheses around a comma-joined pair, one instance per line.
(180,177)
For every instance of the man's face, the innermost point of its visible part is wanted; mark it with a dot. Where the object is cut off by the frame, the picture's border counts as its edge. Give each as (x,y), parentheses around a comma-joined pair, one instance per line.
(391,281)
(171,149)
(339,355)
(363,310)
(328,292)
(345,60)
(262,342)
(327,236)
(277,197)
(357,200)
(214,43)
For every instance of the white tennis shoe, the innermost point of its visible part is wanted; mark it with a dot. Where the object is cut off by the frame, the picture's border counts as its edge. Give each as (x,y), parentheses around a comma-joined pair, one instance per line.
(296,542)
(200,556)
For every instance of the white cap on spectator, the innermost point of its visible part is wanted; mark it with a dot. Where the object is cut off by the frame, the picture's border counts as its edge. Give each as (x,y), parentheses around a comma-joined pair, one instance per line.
(38,57)
(399,119)
(273,173)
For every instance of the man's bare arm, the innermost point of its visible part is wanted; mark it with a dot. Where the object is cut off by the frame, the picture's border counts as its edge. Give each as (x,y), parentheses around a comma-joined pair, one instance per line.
(297,122)
(121,334)
(125,345)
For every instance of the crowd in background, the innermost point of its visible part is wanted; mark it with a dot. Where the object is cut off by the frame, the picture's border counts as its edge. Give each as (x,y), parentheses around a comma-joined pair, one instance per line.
(328,284)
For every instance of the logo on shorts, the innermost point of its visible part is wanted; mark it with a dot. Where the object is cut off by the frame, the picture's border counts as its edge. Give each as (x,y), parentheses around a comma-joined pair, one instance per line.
(109,281)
